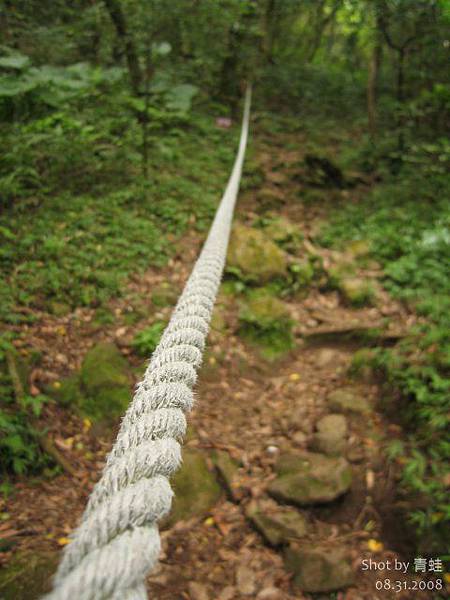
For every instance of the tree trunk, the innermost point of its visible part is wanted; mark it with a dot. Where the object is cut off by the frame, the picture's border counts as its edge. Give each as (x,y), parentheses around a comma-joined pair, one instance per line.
(400,98)
(118,18)
(372,84)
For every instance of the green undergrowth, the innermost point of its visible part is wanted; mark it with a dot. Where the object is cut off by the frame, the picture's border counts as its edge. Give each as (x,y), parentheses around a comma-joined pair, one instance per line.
(78,249)
(406,221)
(81,210)
(20,451)
(146,340)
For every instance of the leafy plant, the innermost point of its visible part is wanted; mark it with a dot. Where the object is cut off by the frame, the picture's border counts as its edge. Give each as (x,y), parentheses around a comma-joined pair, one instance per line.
(411,240)
(146,340)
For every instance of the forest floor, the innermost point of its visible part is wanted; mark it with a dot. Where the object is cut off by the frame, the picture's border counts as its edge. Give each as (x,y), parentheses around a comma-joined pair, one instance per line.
(252,409)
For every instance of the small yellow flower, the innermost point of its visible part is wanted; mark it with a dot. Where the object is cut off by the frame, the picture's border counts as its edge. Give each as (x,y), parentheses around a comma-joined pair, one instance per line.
(63,541)
(209,522)
(294,377)
(56,385)
(374,545)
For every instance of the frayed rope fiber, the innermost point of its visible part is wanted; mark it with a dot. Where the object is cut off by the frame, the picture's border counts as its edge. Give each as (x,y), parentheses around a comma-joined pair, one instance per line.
(117,542)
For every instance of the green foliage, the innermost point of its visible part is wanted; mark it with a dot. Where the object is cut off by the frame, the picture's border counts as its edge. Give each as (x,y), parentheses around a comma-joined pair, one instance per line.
(26,90)
(146,340)
(19,448)
(82,247)
(410,237)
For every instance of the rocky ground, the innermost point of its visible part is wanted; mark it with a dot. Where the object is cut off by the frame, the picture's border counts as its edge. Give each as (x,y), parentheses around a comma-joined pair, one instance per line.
(285,488)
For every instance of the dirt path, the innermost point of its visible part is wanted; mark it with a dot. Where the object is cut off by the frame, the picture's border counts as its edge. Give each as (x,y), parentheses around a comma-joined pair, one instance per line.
(254,411)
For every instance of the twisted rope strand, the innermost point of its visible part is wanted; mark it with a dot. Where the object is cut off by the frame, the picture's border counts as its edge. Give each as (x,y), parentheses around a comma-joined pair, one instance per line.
(117,542)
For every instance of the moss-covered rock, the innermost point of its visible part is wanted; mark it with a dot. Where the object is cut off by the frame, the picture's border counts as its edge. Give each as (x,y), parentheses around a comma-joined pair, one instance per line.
(348,399)
(255,257)
(342,276)
(338,271)
(265,321)
(278,526)
(283,232)
(331,434)
(28,576)
(309,478)
(319,568)
(227,469)
(357,248)
(105,385)
(196,488)
(357,290)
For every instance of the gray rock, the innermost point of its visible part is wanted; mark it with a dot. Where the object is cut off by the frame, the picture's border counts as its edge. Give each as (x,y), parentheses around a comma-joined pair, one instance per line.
(309,478)
(331,435)
(348,399)
(278,527)
(319,569)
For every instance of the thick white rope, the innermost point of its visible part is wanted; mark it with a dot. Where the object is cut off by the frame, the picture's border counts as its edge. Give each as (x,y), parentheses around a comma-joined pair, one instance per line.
(117,542)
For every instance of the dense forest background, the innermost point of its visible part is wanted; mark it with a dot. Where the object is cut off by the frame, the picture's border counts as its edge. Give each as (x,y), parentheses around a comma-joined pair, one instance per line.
(118,123)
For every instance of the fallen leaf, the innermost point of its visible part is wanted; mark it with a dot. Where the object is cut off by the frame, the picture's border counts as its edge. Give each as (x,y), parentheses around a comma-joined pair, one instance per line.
(374,545)
(63,541)
(8,533)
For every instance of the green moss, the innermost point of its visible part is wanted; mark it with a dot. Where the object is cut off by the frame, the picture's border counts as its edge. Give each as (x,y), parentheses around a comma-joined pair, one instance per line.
(338,272)
(105,386)
(107,405)
(69,393)
(265,321)
(196,489)
(28,576)
(356,291)
(362,365)
(256,257)
(103,366)
(283,232)
(302,274)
